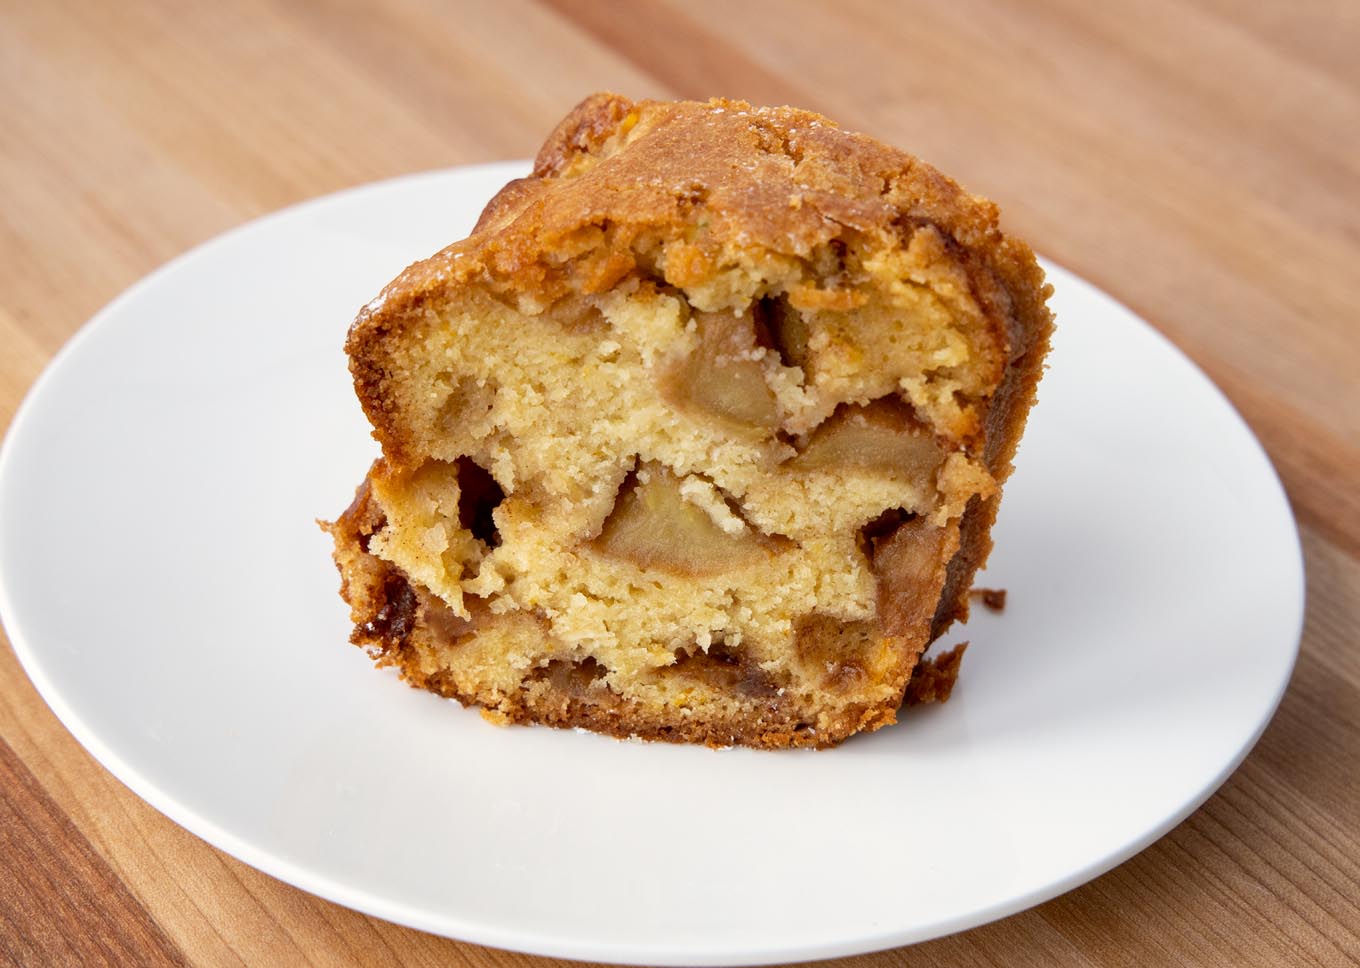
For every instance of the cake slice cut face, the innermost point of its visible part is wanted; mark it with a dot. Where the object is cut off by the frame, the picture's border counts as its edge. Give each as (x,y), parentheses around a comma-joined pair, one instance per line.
(699,436)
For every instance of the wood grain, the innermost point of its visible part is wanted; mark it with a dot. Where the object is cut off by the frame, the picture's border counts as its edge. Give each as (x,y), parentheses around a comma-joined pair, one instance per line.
(1199,160)
(62,902)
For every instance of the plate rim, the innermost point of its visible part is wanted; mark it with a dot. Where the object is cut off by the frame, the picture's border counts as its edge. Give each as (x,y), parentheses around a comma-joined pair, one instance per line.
(546,943)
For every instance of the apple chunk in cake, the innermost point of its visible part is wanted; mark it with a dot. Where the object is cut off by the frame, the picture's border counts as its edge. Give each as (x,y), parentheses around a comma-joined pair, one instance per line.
(700,434)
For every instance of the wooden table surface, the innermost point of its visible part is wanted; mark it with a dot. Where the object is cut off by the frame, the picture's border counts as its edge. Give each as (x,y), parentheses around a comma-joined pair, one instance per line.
(1198,160)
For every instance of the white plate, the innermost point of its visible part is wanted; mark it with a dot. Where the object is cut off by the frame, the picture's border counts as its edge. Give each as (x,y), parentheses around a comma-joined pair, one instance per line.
(164,585)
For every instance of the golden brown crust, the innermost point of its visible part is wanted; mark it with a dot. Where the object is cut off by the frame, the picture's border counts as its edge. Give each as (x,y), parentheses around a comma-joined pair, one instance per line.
(729,180)
(1006,415)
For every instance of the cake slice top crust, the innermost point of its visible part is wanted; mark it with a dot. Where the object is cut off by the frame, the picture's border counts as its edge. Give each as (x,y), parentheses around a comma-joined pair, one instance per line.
(728,205)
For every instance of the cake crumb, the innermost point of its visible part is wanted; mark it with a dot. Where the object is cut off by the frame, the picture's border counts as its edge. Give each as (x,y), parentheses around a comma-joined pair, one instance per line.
(495,717)
(992,598)
(933,679)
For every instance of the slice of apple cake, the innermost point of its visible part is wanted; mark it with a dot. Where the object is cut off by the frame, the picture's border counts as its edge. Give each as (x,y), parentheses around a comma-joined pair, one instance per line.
(699,436)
